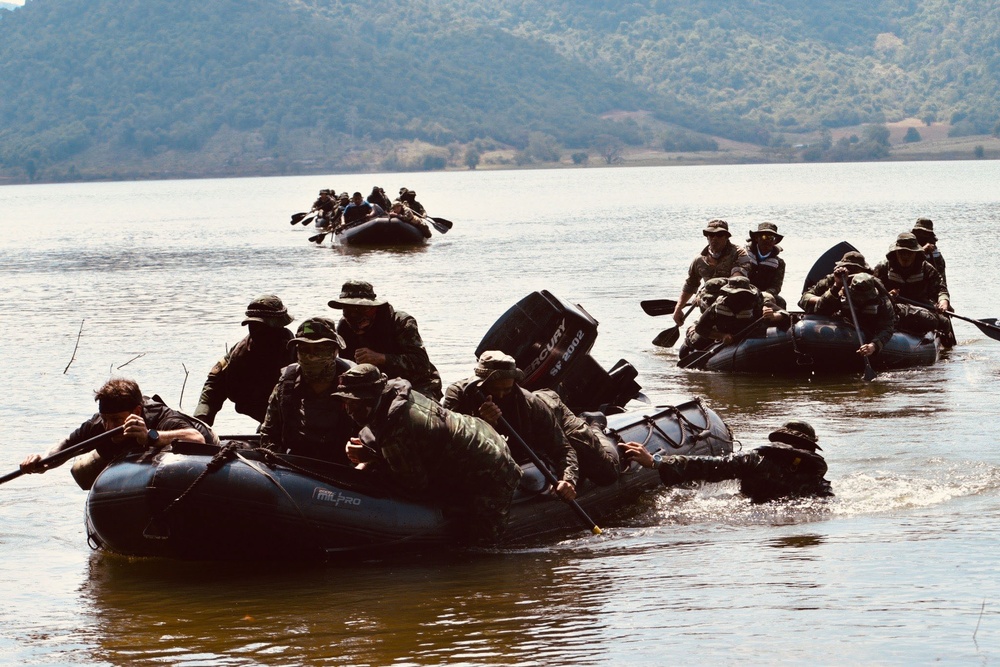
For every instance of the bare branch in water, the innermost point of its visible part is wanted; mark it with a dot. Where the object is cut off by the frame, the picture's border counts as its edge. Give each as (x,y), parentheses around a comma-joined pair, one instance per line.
(75,347)
(981,609)
(131,360)
(180,403)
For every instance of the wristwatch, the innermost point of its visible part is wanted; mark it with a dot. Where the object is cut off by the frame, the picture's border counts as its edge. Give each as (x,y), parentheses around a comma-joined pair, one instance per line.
(657,460)
(153,436)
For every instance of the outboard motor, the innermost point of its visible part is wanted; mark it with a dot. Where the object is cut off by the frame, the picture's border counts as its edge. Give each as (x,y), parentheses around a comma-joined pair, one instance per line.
(551,339)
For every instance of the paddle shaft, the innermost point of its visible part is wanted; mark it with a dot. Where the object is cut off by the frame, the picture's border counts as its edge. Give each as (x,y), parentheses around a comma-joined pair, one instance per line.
(869,371)
(61,457)
(984,326)
(549,476)
(696,357)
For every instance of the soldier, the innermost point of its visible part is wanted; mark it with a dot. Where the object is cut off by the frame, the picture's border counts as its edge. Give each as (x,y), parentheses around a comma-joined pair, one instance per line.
(923,229)
(737,306)
(830,287)
(375,333)
(430,452)
(906,273)
(409,197)
(147,421)
(719,259)
(596,454)
(495,380)
(767,269)
(358,210)
(327,206)
(249,371)
(876,316)
(303,416)
(788,468)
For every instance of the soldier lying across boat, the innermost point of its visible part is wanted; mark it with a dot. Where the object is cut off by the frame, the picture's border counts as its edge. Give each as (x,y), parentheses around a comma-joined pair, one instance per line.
(147,421)
(430,452)
(493,392)
(790,467)
(732,308)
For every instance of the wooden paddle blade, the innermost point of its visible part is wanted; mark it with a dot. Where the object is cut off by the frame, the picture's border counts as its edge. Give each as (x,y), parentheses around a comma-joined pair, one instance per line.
(667,337)
(441,224)
(657,307)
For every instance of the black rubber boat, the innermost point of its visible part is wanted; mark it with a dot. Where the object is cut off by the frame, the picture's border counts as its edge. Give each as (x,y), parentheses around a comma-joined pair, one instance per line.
(819,344)
(195,501)
(385,231)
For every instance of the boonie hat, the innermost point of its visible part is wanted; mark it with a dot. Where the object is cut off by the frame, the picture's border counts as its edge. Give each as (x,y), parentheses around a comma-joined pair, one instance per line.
(798,434)
(361,382)
(318,330)
(925,226)
(906,242)
(854,261)
(356,293)
(863,287)
(715,226)
(267,309)
(494,364)
(767,228)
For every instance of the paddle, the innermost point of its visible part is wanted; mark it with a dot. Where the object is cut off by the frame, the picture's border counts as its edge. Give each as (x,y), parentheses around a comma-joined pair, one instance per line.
(869,371)
(668,337)
(296,217)
(549,476)
(987,326)
(696,358)
(441,224)
(657,307)
(825,264)
(59,458)
(318,238)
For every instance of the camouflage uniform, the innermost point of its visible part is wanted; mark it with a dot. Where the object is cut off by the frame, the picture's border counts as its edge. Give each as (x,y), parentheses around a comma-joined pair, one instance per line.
(876,316)
(738,305)
(787,468)
(435,454)
(246,376)
(734,262)
(596,453)
(304,423)
(920,282)
(531,418)
(923,229)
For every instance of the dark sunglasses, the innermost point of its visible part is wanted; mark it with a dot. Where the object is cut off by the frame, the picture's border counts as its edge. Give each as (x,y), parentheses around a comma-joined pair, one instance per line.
(766,237)
(709,235)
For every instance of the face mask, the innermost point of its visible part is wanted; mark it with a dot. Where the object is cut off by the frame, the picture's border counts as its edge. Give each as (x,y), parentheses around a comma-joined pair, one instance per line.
(318,368)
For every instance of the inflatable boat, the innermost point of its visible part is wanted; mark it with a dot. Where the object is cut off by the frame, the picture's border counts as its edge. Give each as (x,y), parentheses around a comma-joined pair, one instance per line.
(817,344)
(384,231)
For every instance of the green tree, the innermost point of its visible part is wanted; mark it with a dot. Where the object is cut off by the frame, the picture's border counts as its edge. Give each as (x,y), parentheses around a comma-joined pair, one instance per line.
(472,157)
(912,136)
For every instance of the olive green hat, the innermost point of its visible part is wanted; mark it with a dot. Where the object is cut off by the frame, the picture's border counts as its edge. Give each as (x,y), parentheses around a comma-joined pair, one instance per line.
(924,226)
(715,226)
(854,261)
(906,242)
(267,309)
(318,330)
(798,434)
(362,382)
(864,287)
(356,293)
(494,364)
(767,228)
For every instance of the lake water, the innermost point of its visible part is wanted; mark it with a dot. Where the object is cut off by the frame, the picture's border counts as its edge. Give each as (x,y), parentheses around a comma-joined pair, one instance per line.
(902,567)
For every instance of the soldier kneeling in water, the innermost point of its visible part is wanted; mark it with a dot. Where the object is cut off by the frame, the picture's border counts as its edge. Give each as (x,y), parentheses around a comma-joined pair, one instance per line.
(788,468)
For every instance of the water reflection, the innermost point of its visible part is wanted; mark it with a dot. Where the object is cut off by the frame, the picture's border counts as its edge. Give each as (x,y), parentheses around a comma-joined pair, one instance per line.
(492,609)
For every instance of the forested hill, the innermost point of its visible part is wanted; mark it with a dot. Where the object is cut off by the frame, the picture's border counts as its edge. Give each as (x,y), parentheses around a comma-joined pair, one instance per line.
(198,87)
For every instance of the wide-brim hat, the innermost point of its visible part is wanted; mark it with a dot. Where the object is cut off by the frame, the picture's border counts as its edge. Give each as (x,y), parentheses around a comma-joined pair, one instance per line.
(798,434)
(267,309)
(496,365)
(854,261)
(863,287)
(362,382)
(356,293)
(906,242)
(716,226)
(925,226)
(318,330)
(767,228)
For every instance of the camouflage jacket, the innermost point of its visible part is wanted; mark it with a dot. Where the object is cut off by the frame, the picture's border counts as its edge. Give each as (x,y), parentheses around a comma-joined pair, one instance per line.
(395,334)
(596,454)
(246,376)
(734,262)
(877,319)
(721,319)
(768,473)
(531,418)
(936,259)
(304,423)
(921,283)
(767,274)
(434,453)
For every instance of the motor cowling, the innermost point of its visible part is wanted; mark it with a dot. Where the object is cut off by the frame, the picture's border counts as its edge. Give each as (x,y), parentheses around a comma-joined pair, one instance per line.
(550,339)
